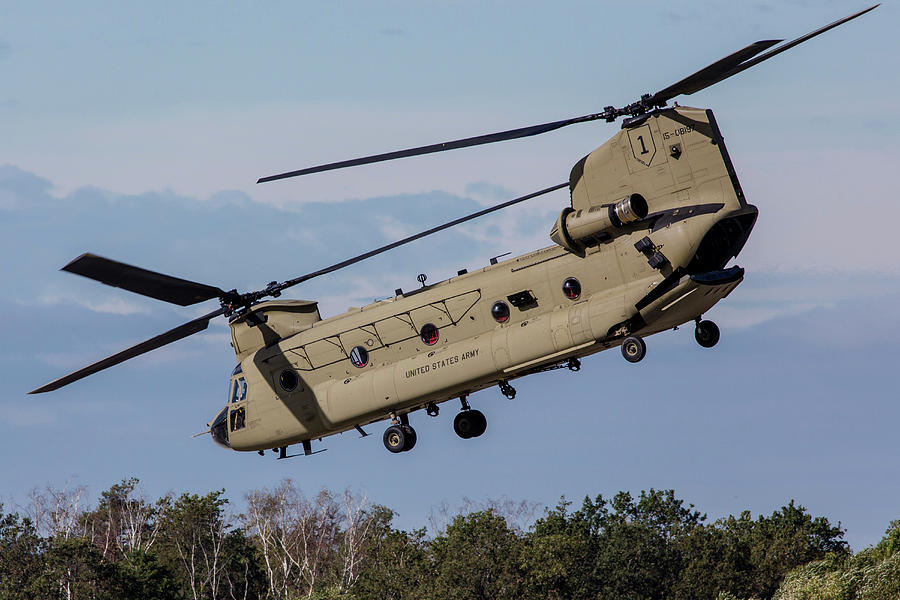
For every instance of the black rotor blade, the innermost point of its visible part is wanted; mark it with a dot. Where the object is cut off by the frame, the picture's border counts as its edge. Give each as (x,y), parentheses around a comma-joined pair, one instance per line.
(711,74)
(722,69)
(726,67)
(173,335)
(412,238)
(490,138)
(141,281)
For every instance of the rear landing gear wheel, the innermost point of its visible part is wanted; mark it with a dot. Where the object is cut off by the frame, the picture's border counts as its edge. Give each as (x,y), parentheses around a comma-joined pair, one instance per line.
(633,349)
(706,333)
(469,424)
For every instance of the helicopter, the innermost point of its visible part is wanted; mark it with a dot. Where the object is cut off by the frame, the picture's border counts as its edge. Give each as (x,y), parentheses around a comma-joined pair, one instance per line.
(656,214)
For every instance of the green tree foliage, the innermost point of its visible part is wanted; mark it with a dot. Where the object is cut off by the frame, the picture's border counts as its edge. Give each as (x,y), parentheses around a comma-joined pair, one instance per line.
(477,557)
(73,568)
(123,523)
(21,555)
(873,574)
(286,546)
(208,559)
(144,576)
(559,552)
(396,565)
(778,544)
(621,548)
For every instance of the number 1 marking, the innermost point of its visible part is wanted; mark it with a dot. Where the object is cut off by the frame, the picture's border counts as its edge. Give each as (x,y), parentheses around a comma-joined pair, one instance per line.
(643,147)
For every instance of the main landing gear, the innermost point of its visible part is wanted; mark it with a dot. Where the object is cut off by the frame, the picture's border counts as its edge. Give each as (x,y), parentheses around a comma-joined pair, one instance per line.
(706,333)
(633,349)
(400,437)
(470,422)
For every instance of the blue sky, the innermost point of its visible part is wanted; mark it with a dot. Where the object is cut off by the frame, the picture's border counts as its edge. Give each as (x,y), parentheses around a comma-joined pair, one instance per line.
(138,131)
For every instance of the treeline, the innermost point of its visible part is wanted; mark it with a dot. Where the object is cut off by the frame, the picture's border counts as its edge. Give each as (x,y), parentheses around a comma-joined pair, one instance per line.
(287,546)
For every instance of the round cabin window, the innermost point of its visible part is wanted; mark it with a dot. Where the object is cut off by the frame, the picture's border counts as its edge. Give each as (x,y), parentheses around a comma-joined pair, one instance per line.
(429,334)
(288,380)
(571,288)
(359,356)
(500,311)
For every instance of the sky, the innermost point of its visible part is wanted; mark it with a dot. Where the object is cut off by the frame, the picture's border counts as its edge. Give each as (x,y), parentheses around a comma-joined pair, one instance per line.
(137,131)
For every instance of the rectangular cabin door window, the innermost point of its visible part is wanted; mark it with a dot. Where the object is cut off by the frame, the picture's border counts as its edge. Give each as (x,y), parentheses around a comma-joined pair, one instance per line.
(238,418)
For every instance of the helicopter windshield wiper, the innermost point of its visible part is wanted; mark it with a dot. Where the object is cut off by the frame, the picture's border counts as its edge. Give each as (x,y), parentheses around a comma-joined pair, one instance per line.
(718,71)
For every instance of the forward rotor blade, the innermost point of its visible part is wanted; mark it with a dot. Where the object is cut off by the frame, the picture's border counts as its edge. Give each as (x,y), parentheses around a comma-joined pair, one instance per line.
(173,335)
(141,281)
(730,66)
(412,238)
(490,138)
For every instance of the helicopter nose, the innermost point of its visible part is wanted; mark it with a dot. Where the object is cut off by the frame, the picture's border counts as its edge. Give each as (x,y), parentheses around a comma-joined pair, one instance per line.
(219,428)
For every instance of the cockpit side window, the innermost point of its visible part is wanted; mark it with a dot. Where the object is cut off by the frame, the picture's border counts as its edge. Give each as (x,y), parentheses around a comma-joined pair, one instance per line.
(238,390)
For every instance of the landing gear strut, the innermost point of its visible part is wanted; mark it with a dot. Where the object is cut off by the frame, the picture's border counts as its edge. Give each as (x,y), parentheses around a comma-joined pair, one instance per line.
(633,349)
(706,333)
(507,390)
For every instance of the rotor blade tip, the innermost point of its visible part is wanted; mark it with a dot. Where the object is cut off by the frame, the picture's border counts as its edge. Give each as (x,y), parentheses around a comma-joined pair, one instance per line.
(75,260)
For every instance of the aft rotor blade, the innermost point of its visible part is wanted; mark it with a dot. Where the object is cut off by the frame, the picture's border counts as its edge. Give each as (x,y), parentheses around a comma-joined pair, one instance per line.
(490,138)
(706,76)
(173,335)
(412,238)
(728,66)
(141,281)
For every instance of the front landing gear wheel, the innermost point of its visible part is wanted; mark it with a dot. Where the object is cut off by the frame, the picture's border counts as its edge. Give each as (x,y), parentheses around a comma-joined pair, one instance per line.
(633,349)
(399,438)
(411,437)
(706,334)
(394,439)
(469,424)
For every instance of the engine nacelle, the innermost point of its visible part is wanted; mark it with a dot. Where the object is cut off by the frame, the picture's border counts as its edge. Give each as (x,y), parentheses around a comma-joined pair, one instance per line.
(575,230)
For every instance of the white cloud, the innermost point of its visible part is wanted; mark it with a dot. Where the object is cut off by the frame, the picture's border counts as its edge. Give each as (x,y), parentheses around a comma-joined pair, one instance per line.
(393,229)
(214,338)
(67,360)
(736,316)
(489,193)
(823,210)
(112,305)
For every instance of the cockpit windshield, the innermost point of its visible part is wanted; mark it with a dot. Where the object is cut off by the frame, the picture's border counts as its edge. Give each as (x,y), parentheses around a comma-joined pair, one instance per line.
(222,425)
(219,429)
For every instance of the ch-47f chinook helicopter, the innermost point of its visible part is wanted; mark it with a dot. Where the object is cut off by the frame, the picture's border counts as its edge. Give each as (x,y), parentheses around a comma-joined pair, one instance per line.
(656,215)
